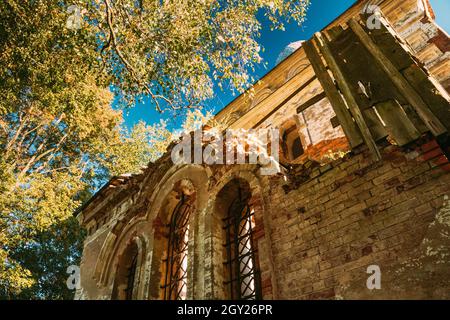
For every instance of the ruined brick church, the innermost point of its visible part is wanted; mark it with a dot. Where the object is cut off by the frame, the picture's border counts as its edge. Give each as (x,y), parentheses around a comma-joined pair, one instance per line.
(363,112)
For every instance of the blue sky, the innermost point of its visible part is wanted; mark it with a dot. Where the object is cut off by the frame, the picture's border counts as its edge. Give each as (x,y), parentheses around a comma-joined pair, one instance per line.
(320,13)
(442,10)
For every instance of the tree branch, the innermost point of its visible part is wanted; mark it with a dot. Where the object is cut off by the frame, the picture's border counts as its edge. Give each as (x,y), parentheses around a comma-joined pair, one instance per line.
(113,40)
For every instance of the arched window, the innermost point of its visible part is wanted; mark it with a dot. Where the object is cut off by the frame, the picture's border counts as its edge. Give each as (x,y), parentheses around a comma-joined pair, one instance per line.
(297,148)
(125,283)
(175,277)
(291,142)
(242,274)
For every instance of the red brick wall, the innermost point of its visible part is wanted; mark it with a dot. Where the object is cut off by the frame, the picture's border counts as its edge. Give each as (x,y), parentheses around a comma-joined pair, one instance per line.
(354,213)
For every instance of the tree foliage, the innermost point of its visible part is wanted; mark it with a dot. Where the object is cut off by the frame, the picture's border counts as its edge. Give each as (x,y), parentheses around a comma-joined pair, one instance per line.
(61,65)
(170,50)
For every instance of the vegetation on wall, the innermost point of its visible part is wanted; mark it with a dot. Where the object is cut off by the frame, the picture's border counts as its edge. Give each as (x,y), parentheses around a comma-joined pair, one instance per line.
(62,65)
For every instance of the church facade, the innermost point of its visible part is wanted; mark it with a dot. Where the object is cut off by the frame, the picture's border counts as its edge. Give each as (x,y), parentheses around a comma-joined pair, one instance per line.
(359,207)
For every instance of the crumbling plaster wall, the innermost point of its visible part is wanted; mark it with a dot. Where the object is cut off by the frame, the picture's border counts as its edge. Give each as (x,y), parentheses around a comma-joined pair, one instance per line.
(319,226)
(317,229)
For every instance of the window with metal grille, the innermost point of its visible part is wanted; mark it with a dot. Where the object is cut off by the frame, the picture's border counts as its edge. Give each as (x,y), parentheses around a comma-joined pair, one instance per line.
(175,278)
(130,278)
(243,277)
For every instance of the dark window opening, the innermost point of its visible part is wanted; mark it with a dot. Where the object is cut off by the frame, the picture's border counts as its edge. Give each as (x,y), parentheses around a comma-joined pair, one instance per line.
(291,144)
(297,149)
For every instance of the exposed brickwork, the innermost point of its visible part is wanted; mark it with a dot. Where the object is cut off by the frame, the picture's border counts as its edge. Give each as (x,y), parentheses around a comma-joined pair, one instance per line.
(318,224)
(324,228)
(357,213)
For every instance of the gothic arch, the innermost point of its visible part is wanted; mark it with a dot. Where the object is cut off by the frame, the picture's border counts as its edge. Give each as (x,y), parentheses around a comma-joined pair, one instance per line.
(292,141)
(196,174)
(213,246)
(125,281)
(131,246)
(142,228)
(114,244)
(163,201)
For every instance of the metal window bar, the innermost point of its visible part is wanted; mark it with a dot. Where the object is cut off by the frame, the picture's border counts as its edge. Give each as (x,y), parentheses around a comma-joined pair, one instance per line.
(131,274)
(244,278)
(175,284)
